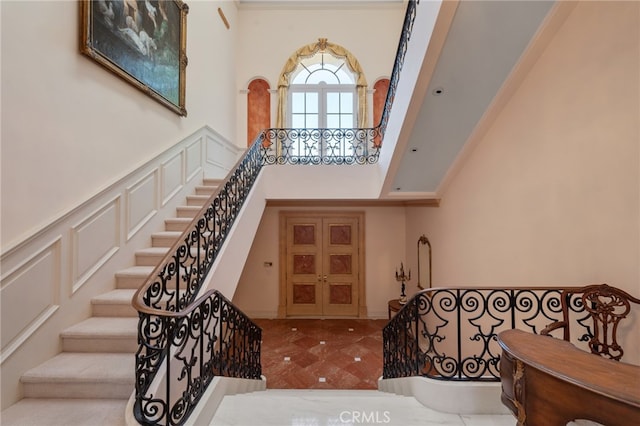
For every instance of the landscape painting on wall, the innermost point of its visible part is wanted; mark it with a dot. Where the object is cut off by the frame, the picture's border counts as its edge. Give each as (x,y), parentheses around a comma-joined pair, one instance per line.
(141,41)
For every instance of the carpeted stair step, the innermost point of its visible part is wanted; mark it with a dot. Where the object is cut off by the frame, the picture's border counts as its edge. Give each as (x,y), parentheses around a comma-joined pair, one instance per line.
(212,182)
(67,412)
(177,223)
(164,238)
(96,334)
(188,211)
(82,375)
(205,190)
(132,277)
(116,303)
(197,200)
(150,256)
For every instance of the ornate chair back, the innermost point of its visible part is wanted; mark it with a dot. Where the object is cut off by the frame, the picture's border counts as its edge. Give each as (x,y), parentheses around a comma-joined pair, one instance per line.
(605,306)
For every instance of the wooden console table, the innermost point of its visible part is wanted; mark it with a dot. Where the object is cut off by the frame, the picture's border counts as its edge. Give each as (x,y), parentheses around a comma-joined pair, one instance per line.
(548,381)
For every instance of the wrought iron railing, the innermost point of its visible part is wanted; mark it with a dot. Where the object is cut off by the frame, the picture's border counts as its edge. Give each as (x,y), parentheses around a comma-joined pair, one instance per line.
(339,146)
(193,341)
(320,146)
(450,333)
(184,342)
(405,36)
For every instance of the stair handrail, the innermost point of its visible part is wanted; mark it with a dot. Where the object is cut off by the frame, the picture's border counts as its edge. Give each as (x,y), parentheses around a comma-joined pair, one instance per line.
(450,333)
(206,337)
(169,313)
(260,153)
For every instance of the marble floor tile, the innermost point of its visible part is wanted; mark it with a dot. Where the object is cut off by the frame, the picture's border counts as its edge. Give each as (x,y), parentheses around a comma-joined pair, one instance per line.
(321,348)
(324,408)
(347,355)
(488,420)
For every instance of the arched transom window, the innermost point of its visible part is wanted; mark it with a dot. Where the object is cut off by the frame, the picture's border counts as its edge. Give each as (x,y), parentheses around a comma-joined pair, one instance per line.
(322,85)
(322,93)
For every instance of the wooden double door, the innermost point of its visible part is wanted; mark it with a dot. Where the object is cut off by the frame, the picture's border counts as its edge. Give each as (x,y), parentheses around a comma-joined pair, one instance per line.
(322,262)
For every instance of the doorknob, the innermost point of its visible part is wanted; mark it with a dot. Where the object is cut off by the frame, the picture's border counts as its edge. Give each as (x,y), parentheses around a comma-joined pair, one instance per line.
(325,278)
(319,279)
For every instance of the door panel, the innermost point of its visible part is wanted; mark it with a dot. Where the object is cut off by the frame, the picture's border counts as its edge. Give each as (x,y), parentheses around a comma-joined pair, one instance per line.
(322,266)
(340,266)
(304,264)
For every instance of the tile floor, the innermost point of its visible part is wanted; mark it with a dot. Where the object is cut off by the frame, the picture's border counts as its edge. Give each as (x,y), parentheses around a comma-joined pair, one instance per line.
(278,407)
(325,372)
(321,353)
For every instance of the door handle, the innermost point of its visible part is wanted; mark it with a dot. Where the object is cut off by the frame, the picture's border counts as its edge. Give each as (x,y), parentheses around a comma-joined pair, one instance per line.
(319,279)
(325,278)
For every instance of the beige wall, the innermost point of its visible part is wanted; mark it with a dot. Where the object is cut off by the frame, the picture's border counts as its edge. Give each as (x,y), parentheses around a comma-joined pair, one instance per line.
(550,195)
(70,128)
(258,289)
(269,35)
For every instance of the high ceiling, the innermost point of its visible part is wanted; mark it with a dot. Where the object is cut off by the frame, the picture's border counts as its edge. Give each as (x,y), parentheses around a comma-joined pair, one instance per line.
(324,4)
(485,41)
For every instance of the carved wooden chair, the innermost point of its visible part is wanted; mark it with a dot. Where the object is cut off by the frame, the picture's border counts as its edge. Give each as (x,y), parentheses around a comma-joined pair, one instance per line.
(606,306)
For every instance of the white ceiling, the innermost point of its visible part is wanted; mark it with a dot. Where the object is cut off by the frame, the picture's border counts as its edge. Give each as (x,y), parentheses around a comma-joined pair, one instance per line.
(315,4)
(485,41)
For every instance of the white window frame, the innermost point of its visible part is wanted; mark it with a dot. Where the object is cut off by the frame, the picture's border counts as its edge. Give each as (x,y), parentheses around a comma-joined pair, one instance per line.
(323,89)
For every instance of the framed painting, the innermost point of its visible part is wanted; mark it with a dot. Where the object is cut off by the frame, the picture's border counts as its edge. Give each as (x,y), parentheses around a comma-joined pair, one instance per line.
(141,41)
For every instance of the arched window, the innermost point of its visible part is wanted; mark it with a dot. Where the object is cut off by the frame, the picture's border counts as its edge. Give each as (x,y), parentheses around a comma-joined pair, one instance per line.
(322,85)
(322,94)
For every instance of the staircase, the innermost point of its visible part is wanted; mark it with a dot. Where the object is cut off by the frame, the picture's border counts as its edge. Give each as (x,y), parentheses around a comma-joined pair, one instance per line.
(90,381)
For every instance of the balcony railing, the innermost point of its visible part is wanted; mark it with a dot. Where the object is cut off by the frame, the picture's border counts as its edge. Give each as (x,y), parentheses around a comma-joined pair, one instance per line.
(184,342)
(320,146)
(450,333)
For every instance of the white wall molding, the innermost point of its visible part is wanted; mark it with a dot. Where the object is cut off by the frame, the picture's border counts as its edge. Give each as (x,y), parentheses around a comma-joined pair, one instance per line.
(220,155)
(94,241)
(142,202)
(172,174)
(53,273)
(23,280)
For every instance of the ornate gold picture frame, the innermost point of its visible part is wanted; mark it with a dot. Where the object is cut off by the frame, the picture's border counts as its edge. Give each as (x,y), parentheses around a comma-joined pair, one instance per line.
(141,41)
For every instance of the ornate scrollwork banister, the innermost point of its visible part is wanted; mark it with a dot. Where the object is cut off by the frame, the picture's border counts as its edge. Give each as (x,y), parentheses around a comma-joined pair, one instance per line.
(450,333)
(192,339)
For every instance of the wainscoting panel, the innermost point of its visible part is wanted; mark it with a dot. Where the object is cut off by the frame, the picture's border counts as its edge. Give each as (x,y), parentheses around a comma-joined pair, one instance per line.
(50,276)
(142,203)
(172,176)
(193,159)
(36,284)
(220,155)
(94,241)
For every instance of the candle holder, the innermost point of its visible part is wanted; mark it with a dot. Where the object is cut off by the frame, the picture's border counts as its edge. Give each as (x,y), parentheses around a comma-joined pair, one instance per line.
(402,277)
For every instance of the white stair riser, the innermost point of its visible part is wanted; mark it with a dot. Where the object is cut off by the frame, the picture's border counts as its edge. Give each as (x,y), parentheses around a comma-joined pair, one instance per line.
(205,190)
(197,200)
(176,224)
(188,211)
(136,282)
(211,182)
(165,239)
(130,282)
(97,344)
(113,310)
(148,259)
(70,389)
